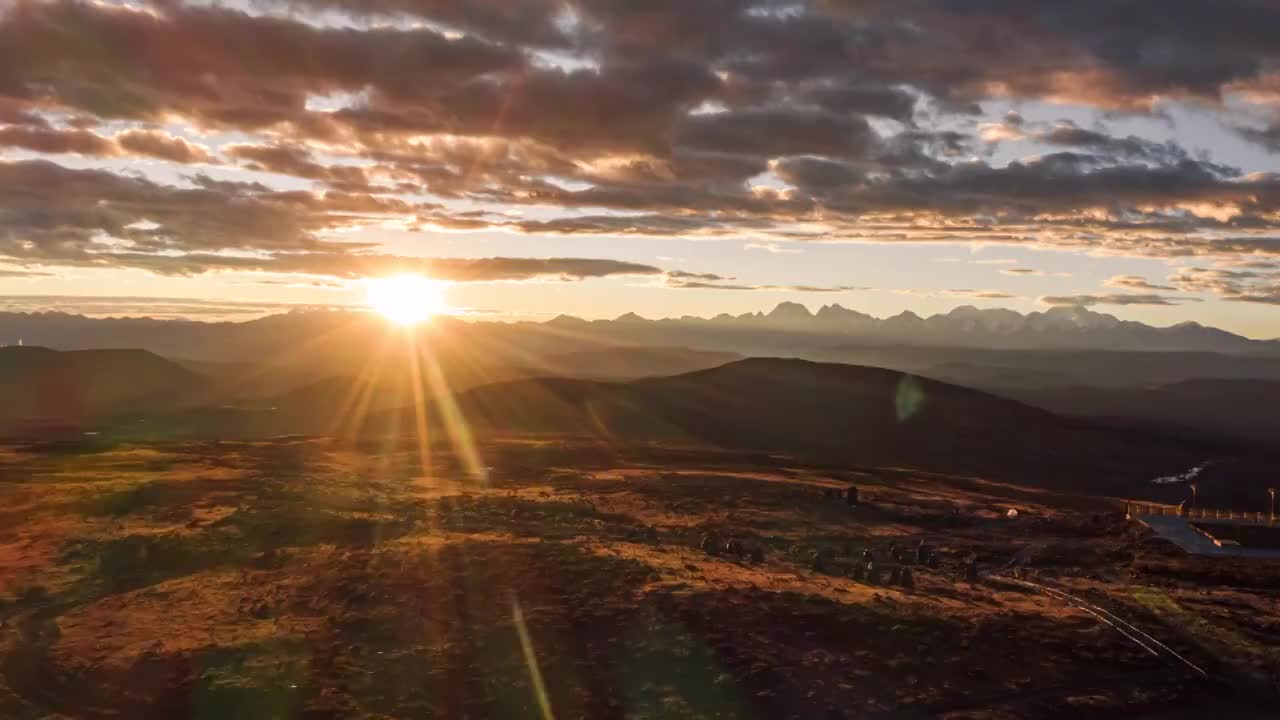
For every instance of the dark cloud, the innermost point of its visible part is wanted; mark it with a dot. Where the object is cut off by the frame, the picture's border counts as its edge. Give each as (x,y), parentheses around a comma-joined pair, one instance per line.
(683,275)
(8,273)
(648,224)
(1136,299)
(816,174)
(1268,137)
(1271,298)
(519,21)
(890,102)
(643,118)
(1137,282)
(1112,148)
(61,217)
(216,65)
(156,307)
(673,281)
(158,144)
(16,112)
(1119,54)
(495,269)
(1260,284)
(50,140)
(854,56)
(982,294)
(56,214)
(297,161)
(358,265)
(146,143)
(1061,184)
(777,132)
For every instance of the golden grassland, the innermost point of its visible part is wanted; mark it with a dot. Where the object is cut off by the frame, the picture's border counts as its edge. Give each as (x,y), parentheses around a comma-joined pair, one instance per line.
(298,578)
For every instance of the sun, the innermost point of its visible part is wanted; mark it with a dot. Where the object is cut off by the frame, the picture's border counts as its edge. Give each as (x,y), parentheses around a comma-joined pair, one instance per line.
(406,299)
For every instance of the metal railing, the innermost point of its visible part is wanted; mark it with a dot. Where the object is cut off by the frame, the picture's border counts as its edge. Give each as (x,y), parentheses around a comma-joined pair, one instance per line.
(1134,509)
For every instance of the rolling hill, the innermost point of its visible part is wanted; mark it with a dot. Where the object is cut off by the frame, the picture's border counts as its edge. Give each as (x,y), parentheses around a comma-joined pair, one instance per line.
(830,413)
(833,413)
(47,388)
(626,363)
(1239,412)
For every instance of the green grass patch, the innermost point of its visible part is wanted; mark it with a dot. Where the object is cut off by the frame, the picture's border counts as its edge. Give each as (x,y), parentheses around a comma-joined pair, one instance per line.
(1171,611)
(127,563)
(261,527)
(252,682)
(552,520)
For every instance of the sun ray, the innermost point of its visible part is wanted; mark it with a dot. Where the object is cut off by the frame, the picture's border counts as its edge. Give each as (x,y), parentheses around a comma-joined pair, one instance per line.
(455,423)
(419,407)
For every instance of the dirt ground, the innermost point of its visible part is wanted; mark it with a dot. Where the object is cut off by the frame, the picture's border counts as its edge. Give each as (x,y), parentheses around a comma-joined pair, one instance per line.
(299,578)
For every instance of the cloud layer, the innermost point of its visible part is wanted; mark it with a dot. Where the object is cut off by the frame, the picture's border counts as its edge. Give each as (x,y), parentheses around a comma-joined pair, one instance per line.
(284,127)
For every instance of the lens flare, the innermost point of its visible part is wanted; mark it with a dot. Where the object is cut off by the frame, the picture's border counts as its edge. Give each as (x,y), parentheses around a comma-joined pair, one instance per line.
(407,299)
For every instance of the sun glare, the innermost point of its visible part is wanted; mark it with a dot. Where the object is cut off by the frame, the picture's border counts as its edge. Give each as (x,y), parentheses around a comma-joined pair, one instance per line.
(407,299)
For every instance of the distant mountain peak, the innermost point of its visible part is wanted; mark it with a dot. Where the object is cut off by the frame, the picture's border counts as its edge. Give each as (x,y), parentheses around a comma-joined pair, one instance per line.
(567,320)
(789,311)
(785,325)
(837,310)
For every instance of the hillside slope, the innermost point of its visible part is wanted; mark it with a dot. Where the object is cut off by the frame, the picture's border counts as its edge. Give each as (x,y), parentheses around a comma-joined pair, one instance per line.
(623,363)
(48,387)
(1240,412)
(833,413)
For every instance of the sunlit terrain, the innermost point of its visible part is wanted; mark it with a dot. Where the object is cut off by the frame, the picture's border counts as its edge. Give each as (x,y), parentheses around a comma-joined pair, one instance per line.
(297,579)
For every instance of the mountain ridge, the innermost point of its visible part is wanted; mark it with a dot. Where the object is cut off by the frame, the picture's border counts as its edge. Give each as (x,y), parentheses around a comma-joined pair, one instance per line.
(788,325)
(1059,327)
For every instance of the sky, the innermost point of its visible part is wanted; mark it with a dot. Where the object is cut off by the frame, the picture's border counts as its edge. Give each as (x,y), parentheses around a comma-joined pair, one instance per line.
(221,160)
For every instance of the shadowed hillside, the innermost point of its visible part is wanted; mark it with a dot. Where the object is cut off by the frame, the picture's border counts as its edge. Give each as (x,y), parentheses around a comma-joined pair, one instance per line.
(828,413)
(46,387)
(622,363)
(832,413)
(1241,412)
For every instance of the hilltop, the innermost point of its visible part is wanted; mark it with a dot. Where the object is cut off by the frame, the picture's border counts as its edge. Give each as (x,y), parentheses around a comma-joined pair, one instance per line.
(47,387)
(832,413)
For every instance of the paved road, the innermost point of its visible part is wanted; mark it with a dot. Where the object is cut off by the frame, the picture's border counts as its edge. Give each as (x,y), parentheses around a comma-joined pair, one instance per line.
(1179,532)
